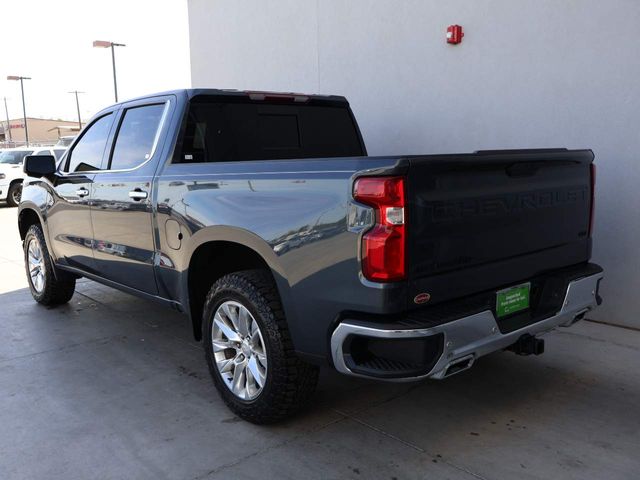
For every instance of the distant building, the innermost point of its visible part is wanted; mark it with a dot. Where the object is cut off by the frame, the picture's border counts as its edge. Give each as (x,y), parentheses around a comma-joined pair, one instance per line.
(41,130)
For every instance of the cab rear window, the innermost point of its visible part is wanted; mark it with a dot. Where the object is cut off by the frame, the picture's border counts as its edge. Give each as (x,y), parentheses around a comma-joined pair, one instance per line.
(229,132)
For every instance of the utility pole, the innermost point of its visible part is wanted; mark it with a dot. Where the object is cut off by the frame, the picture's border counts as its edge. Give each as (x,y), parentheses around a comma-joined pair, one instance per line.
(6,112)
(76,92)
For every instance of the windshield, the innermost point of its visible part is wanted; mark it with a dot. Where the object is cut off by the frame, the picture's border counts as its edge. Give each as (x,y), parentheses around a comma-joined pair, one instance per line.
(14,157)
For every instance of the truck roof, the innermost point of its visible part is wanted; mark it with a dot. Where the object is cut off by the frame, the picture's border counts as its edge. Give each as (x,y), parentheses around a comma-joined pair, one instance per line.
(255,95)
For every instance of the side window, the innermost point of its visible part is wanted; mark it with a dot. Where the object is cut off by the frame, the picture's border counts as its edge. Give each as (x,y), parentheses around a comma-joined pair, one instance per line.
(87,153)
(136,136)
(58,152)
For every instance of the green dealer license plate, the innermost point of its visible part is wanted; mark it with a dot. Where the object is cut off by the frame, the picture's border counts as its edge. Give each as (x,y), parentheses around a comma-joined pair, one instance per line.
(512,300)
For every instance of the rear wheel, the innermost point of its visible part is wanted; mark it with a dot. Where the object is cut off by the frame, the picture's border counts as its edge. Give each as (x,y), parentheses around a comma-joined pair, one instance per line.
(14,194)
(249,350)
(48,286)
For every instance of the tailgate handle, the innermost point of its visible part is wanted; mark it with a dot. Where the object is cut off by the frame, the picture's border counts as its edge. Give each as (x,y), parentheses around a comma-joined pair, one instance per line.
(522,169)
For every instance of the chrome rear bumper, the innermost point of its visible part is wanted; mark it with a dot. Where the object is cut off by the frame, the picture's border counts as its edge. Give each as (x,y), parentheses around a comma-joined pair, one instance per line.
(471,337)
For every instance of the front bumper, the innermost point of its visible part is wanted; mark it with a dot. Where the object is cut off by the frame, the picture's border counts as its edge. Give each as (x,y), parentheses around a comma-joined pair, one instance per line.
(462,341)
(4,189)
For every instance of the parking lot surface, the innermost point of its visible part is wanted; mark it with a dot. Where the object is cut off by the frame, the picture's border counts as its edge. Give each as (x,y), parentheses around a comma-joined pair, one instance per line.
(111,386)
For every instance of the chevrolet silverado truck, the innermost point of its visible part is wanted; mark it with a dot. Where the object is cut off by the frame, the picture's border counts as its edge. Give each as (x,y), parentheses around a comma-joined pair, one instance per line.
(261,217)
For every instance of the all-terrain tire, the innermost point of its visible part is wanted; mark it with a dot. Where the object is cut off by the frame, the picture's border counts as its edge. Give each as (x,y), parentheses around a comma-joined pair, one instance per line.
(289,382)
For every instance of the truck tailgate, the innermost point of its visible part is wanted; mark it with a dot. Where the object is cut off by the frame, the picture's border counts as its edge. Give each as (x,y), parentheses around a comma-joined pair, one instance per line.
(488,220)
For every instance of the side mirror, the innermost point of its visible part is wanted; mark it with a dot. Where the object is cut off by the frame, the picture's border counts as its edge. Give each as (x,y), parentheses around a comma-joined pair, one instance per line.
(38,166)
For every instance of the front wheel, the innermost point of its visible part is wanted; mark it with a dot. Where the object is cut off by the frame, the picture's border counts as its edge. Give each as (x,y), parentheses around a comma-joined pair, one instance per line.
(249,350)
(48,286)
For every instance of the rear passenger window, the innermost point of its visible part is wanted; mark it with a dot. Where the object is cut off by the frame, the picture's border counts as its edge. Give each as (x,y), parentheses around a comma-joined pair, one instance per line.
(136,136)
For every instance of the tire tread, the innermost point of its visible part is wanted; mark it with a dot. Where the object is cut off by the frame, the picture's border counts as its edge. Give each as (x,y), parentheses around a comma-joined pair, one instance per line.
(294,383)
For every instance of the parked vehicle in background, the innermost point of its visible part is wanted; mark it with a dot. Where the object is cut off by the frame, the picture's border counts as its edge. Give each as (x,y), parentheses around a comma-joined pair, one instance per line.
(261,216)
(65,141)
(58,151)
(11,173)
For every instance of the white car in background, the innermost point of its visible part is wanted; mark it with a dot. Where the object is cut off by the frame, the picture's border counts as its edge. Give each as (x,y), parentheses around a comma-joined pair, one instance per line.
(11,174)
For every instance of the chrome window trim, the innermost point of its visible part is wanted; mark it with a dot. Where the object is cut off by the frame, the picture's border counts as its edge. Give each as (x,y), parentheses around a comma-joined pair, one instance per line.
(156,140)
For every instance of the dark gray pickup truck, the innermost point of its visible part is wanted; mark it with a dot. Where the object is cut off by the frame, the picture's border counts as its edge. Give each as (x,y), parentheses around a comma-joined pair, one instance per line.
(261,217)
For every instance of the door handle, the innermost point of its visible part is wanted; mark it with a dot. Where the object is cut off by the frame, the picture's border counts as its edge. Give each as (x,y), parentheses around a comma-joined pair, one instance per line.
(82,192)
(138,194)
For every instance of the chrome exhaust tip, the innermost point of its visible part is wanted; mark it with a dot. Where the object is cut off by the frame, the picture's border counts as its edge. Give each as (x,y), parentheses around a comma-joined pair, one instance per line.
(458,365)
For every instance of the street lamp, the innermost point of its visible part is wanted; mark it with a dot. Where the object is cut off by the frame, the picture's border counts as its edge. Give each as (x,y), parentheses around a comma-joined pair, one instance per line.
(104,44)
(24,109)
(76,92)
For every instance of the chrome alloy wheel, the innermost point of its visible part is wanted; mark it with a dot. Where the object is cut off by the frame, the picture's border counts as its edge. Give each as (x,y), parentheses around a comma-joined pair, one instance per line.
(239,350)
(36,265)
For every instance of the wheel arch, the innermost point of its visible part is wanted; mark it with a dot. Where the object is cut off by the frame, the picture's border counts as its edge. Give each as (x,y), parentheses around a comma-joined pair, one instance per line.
(217,254)
(28,216)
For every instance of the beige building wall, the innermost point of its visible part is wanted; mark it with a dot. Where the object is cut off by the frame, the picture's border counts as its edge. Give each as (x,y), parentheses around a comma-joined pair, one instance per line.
(41,130)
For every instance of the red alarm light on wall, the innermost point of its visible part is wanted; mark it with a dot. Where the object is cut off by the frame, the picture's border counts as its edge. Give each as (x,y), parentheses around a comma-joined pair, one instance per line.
(454,34)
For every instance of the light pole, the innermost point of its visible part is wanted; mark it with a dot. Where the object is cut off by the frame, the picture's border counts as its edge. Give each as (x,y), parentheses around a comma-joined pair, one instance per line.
(112,45)
(24,108)
(6,112)
(76,92)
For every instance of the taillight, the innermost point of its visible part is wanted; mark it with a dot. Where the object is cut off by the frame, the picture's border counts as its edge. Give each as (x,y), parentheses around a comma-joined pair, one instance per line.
(592,210)
(383,247)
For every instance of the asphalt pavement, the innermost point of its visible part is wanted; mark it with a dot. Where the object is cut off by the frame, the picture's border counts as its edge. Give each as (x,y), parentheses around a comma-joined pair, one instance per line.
(114,387)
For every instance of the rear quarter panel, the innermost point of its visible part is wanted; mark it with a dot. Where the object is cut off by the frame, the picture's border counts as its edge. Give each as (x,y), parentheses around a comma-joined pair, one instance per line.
(294,214)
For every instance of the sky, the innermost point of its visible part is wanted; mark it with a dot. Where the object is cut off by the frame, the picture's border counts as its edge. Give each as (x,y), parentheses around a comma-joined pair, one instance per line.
(51,42)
